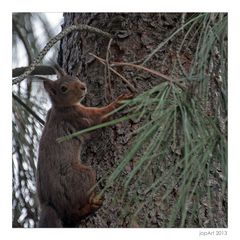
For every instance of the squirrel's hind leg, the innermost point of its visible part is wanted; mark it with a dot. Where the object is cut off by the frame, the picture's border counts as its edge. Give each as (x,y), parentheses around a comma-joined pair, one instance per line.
(92,206)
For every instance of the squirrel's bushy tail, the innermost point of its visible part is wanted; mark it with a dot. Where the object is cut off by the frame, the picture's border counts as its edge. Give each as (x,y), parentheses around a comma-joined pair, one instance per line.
(49,218)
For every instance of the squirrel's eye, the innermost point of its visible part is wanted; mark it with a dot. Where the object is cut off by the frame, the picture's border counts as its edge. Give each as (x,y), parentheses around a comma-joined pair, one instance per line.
(63,89)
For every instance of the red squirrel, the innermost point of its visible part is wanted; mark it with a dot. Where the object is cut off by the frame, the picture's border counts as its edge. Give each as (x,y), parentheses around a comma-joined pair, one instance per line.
(63,182)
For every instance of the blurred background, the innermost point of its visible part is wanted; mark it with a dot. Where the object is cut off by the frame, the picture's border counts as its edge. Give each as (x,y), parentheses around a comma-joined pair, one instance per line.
(30,33)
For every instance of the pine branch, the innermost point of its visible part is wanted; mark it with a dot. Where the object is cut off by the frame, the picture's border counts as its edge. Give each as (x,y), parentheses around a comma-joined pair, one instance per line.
(54,40)
(39,70)
(28,108)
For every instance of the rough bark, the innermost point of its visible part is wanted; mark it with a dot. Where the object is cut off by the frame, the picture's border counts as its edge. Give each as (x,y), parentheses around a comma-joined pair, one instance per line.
(137,34)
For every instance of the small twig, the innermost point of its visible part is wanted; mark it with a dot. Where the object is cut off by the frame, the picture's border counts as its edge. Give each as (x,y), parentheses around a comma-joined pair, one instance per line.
(28,108)
(52,41)
(154,72)
(103,61)
(107,73)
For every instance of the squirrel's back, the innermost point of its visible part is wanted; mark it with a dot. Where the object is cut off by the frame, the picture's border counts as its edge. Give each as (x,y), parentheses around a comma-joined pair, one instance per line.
(55,159)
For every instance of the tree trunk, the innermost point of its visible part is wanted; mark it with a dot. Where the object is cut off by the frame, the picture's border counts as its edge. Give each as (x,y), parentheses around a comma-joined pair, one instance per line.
(137,34)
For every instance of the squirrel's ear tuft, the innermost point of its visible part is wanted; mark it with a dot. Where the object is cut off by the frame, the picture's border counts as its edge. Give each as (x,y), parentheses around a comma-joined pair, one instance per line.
(59,71)
(49,86)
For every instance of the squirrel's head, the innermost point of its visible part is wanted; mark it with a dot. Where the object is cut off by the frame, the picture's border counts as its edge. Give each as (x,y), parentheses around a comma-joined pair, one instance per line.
(66,90)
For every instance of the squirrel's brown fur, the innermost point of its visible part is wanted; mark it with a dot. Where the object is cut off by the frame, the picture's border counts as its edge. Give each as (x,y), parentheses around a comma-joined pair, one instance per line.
(63,182)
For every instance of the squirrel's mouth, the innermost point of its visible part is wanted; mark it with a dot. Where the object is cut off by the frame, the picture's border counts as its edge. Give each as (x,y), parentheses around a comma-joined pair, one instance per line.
(82,96)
